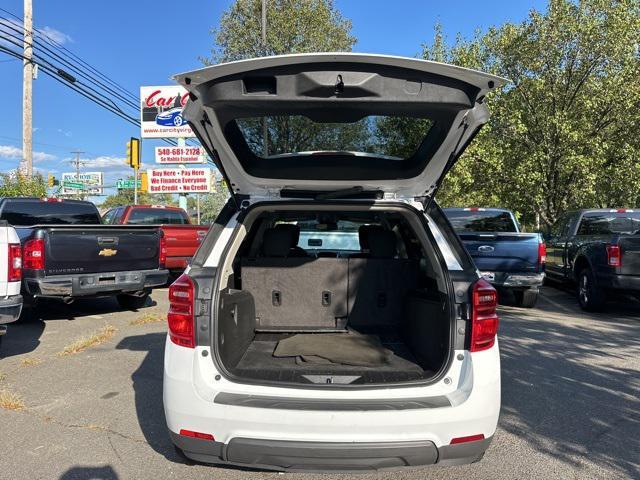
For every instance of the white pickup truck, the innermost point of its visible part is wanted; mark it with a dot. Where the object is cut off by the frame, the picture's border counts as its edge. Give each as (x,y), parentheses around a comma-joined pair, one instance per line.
(10,276)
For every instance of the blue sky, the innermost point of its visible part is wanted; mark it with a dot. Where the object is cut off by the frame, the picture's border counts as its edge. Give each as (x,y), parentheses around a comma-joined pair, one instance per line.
(144,42)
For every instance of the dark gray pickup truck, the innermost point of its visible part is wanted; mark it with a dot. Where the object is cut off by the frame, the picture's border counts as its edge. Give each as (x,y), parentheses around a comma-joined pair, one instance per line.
(67,253)
(599,251)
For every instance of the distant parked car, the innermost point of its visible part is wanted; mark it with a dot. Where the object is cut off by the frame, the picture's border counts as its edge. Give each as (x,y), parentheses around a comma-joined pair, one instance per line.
(67,252)
(10,277)
(599,250)
(506,257)
(171,118)
(181,236)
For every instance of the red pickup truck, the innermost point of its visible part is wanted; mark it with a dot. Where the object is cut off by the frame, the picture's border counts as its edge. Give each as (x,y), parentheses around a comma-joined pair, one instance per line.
(182,238)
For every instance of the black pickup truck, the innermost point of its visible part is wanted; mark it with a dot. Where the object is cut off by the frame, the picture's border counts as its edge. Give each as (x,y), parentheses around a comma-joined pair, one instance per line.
(599,250)
(67,253)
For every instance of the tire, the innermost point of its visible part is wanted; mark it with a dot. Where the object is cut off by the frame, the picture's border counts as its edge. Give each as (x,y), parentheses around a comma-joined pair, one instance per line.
(590,297)
(132,302)
(526,298)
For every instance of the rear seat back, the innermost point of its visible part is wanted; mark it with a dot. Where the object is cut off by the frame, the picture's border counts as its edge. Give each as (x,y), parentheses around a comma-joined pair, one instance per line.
(293,294)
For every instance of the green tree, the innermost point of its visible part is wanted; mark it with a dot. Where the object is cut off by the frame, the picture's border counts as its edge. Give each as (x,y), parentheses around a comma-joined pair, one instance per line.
(563,134)
(212,203)
(293,26)
(17,185)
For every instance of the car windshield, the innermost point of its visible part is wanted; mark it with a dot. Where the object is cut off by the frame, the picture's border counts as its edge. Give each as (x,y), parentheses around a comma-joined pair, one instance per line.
(464,221)
(606,223)
(383,136)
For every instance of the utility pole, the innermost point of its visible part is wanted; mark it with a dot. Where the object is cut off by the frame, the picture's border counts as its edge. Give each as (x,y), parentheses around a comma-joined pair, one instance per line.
(26,164)
(78,163)
(265,130)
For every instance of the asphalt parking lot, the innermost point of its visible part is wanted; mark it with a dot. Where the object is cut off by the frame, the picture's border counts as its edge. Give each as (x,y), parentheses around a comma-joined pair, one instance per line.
(570,406)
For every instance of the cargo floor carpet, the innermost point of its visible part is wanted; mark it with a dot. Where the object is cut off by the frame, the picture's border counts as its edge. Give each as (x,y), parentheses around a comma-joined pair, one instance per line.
(259,363)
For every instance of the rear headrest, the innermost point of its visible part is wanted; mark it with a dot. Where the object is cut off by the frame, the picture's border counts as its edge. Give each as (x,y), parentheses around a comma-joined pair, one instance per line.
(276,242)
(382,243)
(363,235)
(294,231)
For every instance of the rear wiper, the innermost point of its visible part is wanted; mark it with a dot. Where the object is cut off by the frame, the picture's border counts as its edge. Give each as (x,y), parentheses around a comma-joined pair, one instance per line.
(347,192)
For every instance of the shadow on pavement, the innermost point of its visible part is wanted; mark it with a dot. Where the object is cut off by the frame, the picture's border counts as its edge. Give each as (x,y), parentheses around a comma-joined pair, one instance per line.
(562,389)
(147,386)
(90,473)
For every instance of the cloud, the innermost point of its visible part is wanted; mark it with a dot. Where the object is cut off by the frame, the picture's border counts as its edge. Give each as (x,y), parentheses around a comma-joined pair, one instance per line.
(9,152)
(105,161)
(56,35)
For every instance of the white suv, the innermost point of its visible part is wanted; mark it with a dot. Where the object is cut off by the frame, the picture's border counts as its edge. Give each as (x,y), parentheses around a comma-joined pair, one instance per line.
(331,319)
(10,277)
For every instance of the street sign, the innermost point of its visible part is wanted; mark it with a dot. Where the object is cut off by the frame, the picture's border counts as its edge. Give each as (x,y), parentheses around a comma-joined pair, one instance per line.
(179,180)
(161,112)
(126,184)
(89,183)
(180,155)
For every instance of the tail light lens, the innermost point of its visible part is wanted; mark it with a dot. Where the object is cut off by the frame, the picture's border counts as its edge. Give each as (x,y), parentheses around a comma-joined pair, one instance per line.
(484,317)
(33,254)
(180,317)
(162,257)
(200,435)
(614,256)
(14,272)
(470,438)
(542,254)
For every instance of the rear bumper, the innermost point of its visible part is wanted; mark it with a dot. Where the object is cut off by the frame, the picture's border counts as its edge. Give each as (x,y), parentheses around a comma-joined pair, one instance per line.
(628,283)
(325,456)
(517,279)
(95,284)
(10,309)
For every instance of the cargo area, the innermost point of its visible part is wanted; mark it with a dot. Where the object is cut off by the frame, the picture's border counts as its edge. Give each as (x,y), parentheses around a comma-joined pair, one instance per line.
(346,297)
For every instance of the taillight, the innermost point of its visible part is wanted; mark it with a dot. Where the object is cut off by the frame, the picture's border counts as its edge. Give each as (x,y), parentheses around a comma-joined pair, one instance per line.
(200,435)
(33,254)
(484,317)
(180,316)
(14,272)
(614,256)
(542,254)
(162,256)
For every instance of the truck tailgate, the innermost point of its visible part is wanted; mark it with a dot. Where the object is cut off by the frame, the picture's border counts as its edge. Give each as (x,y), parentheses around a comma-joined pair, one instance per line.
(183,240)
(630,251)
(496,252)
(97,249)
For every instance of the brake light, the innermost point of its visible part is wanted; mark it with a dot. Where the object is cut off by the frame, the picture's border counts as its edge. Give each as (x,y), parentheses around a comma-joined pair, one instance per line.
(162,256)
(180,317)
(542,254)
(14,272)
(33,254)
(484,317)
(52,200)
(470,438)
(200,435)
(614,256)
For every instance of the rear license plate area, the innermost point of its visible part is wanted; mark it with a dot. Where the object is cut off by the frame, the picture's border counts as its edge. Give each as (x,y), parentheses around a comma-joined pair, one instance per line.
(106,280)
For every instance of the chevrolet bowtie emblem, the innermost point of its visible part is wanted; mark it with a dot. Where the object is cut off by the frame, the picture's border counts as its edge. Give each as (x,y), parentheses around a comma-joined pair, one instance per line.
(107,252)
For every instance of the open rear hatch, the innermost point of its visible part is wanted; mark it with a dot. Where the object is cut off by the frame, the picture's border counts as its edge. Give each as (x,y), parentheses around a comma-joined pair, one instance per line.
(322,122)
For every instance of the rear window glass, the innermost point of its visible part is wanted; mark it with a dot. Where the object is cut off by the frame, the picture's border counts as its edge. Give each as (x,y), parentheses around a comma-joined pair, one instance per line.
(478,221)
(341,236)
(383,136)
(604,223)
(156,216)
(26,213)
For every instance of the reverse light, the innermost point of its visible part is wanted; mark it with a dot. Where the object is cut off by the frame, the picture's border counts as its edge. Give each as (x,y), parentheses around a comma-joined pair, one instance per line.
(542,254)
(614,256)
(180,317)
(200,435)
(470,438)
(484,316)
(14,270)
(33,254)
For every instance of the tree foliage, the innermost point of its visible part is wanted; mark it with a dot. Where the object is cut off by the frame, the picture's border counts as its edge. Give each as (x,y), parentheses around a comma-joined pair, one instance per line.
(17,185)
(563,133)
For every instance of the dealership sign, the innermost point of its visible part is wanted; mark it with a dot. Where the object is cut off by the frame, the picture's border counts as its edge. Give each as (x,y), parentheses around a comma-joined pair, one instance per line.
(161,112)
(89,183)
(180,155)
(179,180)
